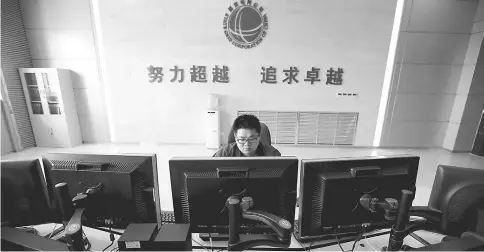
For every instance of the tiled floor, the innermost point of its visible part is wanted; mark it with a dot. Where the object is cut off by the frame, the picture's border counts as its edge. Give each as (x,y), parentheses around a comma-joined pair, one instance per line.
(429,160)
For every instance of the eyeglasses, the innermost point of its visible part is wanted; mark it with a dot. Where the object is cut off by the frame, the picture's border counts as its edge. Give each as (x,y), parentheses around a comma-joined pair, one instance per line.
(245,140)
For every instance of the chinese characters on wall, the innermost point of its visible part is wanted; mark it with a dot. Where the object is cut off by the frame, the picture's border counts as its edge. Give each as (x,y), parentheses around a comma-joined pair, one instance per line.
(197,74)
(333,77)
(268,75)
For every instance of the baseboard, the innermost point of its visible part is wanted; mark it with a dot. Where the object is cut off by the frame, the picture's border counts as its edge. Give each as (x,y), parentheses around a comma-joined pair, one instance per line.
(459,151)
(476,155)
(157,143)
(324,146)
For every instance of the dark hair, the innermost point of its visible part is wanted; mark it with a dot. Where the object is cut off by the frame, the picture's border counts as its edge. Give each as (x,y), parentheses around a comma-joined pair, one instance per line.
(246,122)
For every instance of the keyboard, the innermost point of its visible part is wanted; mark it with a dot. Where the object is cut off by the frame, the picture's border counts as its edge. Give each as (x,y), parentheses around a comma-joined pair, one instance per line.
(167,217)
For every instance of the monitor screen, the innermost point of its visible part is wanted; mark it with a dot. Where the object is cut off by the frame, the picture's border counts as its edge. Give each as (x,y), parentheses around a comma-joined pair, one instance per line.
(330,191)
(126,186)
(201,186)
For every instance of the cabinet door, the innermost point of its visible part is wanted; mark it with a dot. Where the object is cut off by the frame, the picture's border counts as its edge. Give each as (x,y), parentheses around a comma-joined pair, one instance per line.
(33,93)
(58,130)
(36,106)
(52,92)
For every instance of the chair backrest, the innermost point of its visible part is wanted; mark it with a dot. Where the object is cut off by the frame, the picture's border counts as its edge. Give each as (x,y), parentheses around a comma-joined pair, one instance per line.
(458,192)
(25,197)
(265,135)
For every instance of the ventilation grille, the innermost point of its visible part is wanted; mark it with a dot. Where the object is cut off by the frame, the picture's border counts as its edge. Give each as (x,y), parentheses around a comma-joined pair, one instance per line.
(211,174)
(284,203)
(317,199)
(274,172)
(16,54)
(184,202)
(324,128)
(123,167)
(138,187)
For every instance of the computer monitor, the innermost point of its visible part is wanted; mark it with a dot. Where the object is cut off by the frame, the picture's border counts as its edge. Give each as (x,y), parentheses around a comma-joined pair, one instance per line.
(201,187)
(331,191)
(125,186)
(25,197)
(459,193)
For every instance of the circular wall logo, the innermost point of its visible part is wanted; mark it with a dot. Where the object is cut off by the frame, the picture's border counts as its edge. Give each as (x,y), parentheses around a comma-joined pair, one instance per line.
(245,25)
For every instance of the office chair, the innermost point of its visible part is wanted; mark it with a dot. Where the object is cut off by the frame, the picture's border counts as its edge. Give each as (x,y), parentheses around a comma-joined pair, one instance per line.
(459,194)
(265,135)
(455,209)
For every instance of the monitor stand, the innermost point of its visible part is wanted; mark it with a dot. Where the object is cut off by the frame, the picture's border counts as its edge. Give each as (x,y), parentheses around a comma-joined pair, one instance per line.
(62,238)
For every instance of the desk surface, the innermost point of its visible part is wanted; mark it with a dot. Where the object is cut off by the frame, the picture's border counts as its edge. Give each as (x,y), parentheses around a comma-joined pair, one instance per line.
(100,240)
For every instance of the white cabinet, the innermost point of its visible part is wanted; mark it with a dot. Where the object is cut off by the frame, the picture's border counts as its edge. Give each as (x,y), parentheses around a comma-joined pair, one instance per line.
(52,107)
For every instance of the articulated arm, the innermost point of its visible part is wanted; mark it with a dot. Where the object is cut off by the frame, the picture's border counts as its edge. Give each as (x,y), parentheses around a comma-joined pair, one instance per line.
(74,231)
(400,212)
(403,226)
(281,226)
(73,219)
(389,205)
(431,214)
(238,209)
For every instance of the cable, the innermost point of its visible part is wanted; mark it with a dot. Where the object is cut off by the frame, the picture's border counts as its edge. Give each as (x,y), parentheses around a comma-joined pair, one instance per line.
(420,239)
(201,245)
(210,236)
(86,241)
(114,248)
(323,237)
(357,239)
(310,245)
(295,237)
(107,230)
(111,238)
(337,240)
(52,231)
(108,246)
(367,242)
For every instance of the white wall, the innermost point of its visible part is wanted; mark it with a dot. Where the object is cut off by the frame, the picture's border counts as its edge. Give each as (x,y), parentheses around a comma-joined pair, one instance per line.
(469,101)
(60,35)
(431,50)
(351,34)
